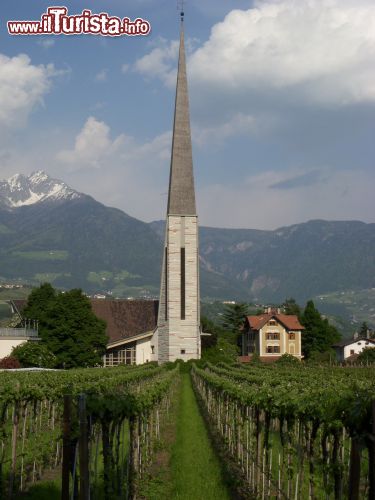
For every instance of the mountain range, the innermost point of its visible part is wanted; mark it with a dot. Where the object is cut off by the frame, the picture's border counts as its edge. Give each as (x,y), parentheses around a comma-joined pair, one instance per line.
(50,232)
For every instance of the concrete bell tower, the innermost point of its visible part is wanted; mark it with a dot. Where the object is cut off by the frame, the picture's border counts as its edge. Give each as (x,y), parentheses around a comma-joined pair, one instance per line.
(178,331)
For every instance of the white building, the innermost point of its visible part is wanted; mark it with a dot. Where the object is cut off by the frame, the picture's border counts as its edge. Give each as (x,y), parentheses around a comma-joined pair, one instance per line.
(352,347)
(13,337)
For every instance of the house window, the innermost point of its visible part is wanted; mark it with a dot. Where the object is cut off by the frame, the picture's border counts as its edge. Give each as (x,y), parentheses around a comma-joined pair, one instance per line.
(152,349)
(272,322)
(351,352)
(273,349)
(273,336)
(182,351)
(292,336)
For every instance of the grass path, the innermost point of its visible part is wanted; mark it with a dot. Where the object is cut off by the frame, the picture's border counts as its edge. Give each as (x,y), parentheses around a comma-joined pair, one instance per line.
(195,470)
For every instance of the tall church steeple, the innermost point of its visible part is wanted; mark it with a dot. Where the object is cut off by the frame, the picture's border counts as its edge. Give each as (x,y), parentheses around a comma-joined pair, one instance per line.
(181,196)
(178,332)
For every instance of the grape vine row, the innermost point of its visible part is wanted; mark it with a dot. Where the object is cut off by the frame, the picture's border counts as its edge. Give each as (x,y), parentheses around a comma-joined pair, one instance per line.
(100,424)
(294,432)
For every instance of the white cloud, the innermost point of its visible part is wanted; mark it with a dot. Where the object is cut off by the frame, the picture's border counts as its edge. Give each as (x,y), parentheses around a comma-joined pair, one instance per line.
(119,171)
(314,51)
(93,146)
(102,75)
(322,49)
(238,124)
(46,43)
(160,62)
(22,87)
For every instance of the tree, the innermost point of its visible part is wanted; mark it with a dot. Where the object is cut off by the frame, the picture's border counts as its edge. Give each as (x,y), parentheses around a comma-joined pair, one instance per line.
(68,327)
(367,356)
(34,354)
(39,302)
(363,330)
(234,316)
(208,326)
(291,307)
(318,335)
(223,351)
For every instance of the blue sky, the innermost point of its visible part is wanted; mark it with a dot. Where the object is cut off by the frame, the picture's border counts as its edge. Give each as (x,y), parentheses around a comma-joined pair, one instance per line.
(282,107)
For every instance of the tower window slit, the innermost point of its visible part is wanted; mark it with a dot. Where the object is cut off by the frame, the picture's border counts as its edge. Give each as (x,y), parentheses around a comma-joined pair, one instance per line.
(166,283)
(182,283)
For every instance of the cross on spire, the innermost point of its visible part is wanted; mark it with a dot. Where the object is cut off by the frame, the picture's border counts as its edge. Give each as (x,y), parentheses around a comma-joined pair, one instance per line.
(181,8)
(181,196)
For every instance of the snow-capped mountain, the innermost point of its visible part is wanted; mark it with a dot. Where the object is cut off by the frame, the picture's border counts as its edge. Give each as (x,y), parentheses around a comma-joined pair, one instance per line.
(20,190)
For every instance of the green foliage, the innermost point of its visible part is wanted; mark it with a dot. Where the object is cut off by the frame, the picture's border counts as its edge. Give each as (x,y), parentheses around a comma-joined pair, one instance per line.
(323,394)
(327,357)
(324,404)
(288,359)
(208,326)
(366,356)
(255,359)
(67,326)
(224,351)
(291,307)
(112,396)
(34,354)
(48,490)
(363,330)
(234,316)
(39,302)
(318,335)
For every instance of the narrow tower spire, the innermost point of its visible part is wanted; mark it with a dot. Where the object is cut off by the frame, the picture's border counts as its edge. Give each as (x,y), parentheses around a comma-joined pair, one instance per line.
(181,196)
(178,333)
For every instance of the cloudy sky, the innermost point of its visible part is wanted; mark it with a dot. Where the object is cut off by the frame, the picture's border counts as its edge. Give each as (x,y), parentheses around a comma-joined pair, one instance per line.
(282,96)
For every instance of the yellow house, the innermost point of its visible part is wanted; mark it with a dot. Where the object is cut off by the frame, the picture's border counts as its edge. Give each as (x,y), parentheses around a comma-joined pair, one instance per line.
(271,335)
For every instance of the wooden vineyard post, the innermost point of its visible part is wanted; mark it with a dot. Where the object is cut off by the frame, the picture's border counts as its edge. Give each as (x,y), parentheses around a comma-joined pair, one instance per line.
(258,450)
(14,448)
(337,473)
(107,459)
(130,493)
(66,447)
(371,457)
(355,469)
(84,480)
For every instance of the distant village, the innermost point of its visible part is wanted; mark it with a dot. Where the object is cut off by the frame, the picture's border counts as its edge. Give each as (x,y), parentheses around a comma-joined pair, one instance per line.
(131,323)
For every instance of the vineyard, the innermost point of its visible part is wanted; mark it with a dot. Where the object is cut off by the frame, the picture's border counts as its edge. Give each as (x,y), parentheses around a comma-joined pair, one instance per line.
(284,431)
(98,425)
(294,432)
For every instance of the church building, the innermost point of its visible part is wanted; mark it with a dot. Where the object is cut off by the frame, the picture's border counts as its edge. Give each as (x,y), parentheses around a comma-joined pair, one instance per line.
(175,332)
(178,330)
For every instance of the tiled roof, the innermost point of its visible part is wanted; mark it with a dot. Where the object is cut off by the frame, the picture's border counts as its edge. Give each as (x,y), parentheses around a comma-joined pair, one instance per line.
(346,342)
(126,318)
(289,321)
